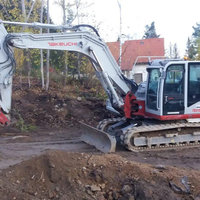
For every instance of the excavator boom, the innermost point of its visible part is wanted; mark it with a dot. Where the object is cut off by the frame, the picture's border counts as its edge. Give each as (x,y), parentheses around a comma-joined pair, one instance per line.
(75,40)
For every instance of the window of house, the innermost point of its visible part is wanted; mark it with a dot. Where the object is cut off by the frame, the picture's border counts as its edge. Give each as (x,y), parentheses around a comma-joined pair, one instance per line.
(138,78)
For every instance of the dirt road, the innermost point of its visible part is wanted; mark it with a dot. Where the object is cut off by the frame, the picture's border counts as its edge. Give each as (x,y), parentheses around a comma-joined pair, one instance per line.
(15,147)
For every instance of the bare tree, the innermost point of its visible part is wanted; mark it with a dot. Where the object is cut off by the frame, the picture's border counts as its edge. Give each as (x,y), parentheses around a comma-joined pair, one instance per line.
(66,20)
(63,6)
(170,51)
(30,11)
(23,9)
(24,16)
(173,51)
(73,12)
(41,51)
(48,51)
(77,5)
(26,52)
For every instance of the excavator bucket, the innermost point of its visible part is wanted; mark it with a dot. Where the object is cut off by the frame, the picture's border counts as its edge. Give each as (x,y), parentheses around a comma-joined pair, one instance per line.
(100,139)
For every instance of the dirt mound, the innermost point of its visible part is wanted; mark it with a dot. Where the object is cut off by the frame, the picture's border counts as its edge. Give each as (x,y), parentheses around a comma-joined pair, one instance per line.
(61,175)
(57,107)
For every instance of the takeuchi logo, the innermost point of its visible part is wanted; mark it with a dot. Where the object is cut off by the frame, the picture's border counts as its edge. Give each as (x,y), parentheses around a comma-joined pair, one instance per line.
(196,110)
(62,44)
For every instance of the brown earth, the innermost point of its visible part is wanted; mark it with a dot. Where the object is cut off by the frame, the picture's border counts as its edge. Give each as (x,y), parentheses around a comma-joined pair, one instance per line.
(63,175)
(58,107)
(42,157)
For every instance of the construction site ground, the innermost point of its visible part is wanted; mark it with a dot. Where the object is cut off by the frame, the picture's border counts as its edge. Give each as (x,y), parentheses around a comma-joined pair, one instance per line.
(42,156)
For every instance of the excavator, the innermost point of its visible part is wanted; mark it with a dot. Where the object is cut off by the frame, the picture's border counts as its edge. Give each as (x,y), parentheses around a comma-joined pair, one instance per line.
(161,113)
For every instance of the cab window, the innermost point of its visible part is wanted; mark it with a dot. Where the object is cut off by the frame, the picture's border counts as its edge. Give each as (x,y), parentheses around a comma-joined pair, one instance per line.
(153,81)
(193,83)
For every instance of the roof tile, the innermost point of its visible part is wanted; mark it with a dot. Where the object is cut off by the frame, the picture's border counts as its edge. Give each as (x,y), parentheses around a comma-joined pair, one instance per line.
(131,49)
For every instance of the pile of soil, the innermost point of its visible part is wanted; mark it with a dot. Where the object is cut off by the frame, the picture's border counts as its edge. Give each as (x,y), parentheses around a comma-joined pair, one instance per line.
(58,107)
(61,175)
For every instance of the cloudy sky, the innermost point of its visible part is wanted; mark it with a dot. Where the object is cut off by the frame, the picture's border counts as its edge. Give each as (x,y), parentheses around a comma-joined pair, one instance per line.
(173,18)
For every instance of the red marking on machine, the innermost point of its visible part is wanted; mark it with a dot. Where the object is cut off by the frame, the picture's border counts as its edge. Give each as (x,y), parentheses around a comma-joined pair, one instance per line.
(133,107)
(172,117)
(196,110)
(60,44)
(3,119)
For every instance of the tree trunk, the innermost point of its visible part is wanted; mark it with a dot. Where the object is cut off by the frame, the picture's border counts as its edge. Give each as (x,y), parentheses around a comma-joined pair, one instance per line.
(23,10)
(24,16)
(79,66)
(66,53)
(26,52)
(30,11)
(29,70)
(48,51)
(20,79)
(41,51)
(42,68)
(47,78)
(64,12)
(77,2)
(66,68)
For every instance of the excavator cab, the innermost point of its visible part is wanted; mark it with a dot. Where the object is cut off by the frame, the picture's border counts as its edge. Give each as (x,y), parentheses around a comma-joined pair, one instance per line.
(173,90)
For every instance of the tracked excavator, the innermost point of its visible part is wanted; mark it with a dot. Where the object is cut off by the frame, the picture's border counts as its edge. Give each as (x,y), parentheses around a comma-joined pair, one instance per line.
(163,112)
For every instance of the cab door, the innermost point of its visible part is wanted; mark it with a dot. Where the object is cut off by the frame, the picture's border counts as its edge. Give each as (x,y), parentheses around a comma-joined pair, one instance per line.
(173,90)
(153,90)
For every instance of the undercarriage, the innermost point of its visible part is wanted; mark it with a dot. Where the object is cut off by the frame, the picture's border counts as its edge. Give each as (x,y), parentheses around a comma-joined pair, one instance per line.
(146,135)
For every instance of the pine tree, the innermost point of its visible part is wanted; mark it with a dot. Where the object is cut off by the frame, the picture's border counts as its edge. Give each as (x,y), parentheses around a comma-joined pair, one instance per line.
(193,44)
(196,33)
(150,31)
(190,49)
(175,52)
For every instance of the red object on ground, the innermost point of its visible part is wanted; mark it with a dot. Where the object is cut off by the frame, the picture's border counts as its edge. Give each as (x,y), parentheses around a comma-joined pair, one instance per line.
(3,119)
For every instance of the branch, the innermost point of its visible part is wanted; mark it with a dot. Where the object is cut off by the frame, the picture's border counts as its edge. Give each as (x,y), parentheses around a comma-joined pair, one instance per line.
(30,11)
(6,11)
(23,9)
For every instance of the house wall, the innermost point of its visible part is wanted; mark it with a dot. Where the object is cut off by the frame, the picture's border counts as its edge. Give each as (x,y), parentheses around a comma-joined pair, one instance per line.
(138,74)
(140,69)
(127,73)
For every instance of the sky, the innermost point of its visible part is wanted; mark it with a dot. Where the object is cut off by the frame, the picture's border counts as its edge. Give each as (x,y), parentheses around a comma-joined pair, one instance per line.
(173,19)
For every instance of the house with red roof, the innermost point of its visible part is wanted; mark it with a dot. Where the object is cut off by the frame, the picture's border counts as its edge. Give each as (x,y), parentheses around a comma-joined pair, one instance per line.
(136,54)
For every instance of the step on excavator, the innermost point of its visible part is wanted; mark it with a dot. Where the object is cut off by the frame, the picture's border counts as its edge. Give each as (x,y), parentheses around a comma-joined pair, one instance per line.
(161,113)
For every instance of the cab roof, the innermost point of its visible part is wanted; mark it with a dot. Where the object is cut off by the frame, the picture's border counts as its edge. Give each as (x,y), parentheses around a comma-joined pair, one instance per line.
(163,62)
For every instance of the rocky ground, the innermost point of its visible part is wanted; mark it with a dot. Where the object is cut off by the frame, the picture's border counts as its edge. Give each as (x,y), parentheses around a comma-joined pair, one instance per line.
(42,157)
(64,175)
